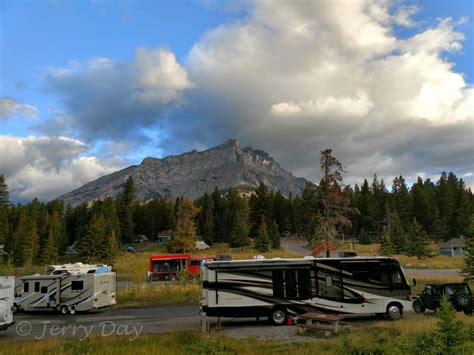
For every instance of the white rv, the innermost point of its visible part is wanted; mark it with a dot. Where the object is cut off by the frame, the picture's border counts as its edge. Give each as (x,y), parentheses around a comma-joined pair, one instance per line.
(275,288)
(66,293)
(7,290)
(77,268)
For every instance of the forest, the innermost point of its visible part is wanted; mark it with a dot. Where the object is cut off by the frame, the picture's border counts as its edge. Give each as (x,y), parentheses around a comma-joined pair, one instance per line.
(404,219)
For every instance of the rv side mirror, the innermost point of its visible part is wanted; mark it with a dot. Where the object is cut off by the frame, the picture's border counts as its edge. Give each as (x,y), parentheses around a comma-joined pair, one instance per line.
(414,281)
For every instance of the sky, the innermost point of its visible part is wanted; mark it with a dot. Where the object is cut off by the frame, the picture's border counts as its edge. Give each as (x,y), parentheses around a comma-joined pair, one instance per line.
(90,87)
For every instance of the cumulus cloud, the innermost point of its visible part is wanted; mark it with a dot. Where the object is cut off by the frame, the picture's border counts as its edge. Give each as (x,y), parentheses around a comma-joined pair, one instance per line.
(103,99)
(46,167)
(295,77)
(10,107)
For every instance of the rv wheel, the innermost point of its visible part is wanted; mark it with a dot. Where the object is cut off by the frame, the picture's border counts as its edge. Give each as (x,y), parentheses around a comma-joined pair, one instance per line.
(64,310)
(278,316)
(394,311)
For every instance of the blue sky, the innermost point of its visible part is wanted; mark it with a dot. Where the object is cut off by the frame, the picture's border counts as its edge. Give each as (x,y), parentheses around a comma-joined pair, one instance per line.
(99,85)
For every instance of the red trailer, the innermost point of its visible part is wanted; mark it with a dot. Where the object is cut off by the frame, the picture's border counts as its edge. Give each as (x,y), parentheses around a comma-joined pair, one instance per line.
(167,267)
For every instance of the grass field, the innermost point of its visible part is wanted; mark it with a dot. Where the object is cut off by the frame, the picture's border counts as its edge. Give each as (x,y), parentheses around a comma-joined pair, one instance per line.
(381,338)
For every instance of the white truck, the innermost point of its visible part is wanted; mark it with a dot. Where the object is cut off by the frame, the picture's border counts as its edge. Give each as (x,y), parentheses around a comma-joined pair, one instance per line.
(7,294)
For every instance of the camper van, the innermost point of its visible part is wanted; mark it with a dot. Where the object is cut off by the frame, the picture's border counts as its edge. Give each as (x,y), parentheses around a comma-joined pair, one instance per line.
(7,287)
(77,268)
(276,288)
(66,293)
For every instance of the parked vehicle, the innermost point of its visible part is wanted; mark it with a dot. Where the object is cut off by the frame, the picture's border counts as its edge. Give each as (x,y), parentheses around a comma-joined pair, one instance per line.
(77,268)
(168,267)
(66,293)
(201,245)
(278,287)
(7,295)
(459,294)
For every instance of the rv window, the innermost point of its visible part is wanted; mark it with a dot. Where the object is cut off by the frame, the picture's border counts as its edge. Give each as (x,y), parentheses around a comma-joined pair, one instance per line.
(195,262)
(278,290)
(37,287)
(26,287)
(44,289)
(77,285)
(328,280)
(290,283)
(91,271)
(304,283)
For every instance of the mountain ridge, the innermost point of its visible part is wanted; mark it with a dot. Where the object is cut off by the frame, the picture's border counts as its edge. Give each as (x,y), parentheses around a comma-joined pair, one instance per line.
(194,173)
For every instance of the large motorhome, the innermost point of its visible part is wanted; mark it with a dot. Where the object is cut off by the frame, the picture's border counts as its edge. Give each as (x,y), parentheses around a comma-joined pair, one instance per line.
(66,293)
(279,287)
(7,291)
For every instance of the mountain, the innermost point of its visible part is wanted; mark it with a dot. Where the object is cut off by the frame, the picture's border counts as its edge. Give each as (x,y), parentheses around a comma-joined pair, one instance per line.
(193,173)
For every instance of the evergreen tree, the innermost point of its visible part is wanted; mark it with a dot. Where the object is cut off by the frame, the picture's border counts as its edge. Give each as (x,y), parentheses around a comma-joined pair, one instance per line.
(239,233)
(262,240)
(398,235)
(184,236)
(91,241)
(274,235)
(51,248)
(386,246)
(26,240)
(364,237)
(401,201)
(451,331)
(124,209)
(4,194)
(418,242)
(469,259)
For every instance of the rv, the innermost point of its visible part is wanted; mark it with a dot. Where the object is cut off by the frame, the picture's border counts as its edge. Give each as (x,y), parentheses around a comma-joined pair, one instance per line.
(276,288)
(66,293)
(77,268)
(7,287)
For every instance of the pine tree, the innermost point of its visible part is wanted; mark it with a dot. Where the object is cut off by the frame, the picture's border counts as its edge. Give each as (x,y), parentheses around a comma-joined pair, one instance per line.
(386,246)
(402,201)
(26,240)
(184,236)
(125,210)
(451,331)
(262,240)
(91,241)
(50,251)
(274,235)
(4,194)
(239,233)
(398,235)
(418,242)
(469,259)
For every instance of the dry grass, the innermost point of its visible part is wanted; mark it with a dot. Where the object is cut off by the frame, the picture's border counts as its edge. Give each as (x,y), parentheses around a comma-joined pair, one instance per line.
(154,294)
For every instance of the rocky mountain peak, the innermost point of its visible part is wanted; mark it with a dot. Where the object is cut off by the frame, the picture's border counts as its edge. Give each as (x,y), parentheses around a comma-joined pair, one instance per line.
(194,173)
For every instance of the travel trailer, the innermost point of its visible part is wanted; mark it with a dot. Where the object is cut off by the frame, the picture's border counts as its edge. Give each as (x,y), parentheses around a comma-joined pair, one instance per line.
(276,288)
(77,268)
(7,291)
(67,293)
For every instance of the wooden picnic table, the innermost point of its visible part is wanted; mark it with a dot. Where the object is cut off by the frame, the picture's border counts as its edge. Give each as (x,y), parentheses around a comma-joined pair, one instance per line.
(319,321)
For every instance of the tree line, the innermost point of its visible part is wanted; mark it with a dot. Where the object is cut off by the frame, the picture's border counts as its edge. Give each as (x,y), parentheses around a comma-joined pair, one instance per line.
(403,219)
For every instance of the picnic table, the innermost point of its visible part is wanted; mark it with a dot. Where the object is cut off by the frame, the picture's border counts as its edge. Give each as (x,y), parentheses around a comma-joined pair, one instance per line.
(319,321)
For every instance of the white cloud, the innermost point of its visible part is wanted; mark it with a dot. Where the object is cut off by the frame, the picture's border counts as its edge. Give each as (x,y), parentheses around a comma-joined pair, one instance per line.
(10,107)
(295,77)
(46,167)
(403,15)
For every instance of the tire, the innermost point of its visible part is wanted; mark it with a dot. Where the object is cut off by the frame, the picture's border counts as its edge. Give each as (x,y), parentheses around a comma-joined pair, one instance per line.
(418,307)
(461,300)
(394,311)
(468,311)
(64,310)
(278,316)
